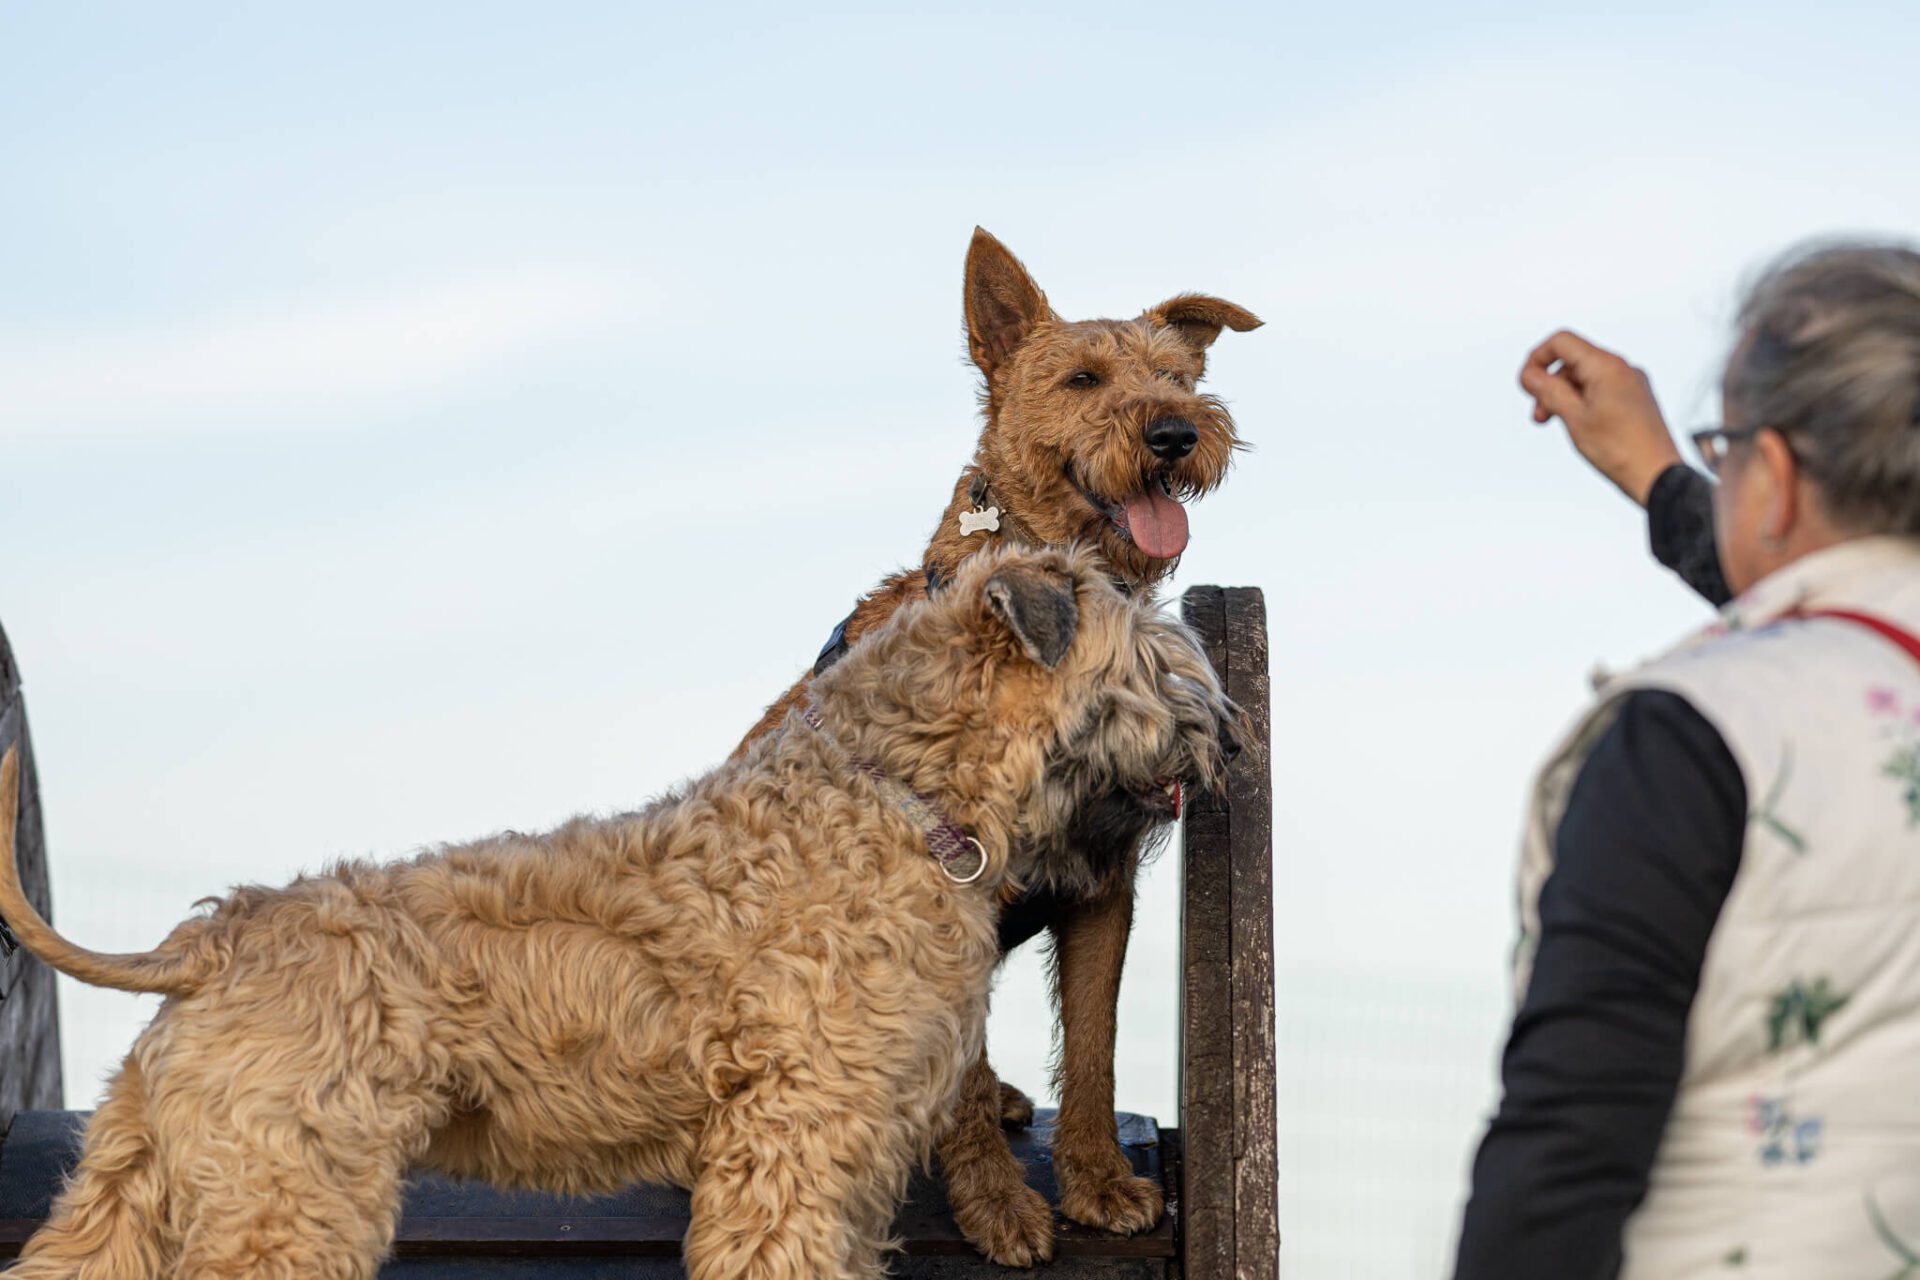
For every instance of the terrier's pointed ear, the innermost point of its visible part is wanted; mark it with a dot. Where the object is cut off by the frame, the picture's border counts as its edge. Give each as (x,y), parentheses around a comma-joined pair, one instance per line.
(1002,301)
(1039,609)
(1198,318)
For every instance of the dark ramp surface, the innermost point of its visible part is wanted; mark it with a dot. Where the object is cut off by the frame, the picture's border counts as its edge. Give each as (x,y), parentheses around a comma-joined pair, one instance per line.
(459,1229)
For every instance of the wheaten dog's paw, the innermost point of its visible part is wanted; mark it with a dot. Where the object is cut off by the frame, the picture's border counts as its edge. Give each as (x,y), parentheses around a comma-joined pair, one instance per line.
(1119,1203)
(1016,1108)
(1013,1228)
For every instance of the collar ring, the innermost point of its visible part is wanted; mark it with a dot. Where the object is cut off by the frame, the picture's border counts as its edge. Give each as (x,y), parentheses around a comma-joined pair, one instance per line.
(980,868)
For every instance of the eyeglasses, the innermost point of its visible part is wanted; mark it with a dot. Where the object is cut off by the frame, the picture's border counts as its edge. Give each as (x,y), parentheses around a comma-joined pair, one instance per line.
(1714,443)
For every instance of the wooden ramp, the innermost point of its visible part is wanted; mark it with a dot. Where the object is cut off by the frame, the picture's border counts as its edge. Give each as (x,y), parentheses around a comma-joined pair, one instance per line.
(1217,1169)
(460,1229)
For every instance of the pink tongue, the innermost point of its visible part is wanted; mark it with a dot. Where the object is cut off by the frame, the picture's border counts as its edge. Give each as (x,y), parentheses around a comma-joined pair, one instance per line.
(1158,524)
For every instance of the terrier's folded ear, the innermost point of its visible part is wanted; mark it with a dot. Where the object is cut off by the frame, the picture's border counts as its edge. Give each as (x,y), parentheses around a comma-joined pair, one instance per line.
(1198,318)
(1040,610)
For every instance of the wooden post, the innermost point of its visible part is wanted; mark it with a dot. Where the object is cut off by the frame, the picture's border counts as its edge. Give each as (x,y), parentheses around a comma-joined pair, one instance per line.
(1228,1207)
(29,1034)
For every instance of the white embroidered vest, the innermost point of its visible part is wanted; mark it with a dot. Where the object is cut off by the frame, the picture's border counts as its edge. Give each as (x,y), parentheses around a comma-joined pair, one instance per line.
(1793,1150)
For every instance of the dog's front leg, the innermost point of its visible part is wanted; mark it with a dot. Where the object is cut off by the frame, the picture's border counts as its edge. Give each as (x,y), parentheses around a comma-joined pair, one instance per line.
(1097,1184)
(1005,1219)
(795,1183)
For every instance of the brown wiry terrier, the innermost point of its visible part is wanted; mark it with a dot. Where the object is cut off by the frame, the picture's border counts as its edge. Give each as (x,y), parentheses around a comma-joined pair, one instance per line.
(1095,431)
(765,987)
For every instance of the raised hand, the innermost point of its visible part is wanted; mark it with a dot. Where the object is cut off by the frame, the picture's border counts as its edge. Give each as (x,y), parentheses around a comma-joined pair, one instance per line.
(1608,407)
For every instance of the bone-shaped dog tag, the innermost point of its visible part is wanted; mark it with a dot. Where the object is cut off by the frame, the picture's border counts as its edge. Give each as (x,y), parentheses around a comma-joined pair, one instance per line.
(977,520)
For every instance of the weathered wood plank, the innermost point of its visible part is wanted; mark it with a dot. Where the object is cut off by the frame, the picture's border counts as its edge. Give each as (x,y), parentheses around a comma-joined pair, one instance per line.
(633,1268)
(29,1029)
(1206,997)
(1173,1173)
(905,1268)
(533,1269)
(1061,1268)
(1250,808)
(1229,1224)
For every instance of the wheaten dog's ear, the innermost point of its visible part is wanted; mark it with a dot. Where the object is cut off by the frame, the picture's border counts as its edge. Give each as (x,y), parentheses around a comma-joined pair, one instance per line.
(1198,318)
(1039,609)
(1002,301)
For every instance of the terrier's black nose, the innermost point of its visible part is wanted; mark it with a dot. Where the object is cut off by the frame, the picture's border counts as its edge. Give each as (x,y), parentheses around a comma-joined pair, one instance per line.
(1172,438)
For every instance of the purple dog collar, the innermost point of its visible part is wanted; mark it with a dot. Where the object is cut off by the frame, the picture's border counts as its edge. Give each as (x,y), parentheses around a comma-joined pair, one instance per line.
(961,857)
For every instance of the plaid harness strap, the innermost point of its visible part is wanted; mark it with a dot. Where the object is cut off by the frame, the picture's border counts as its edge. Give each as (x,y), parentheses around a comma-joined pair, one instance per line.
(961,857)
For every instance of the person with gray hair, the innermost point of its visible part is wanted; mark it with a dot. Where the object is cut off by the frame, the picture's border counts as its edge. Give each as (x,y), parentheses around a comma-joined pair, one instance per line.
(1710,1068)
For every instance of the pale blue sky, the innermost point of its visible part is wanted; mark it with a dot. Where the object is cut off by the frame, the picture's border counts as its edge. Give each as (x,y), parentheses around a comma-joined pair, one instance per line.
(421,419)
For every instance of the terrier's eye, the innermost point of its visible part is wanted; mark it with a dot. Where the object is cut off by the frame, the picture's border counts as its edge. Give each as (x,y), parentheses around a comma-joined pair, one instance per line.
(1084,379)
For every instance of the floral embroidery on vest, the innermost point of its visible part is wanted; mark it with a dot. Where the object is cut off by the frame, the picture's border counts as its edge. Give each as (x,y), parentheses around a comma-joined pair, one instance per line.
(1901,724)
(1889,1237)
(1767,812)
(1785,1138)
(1797,1013)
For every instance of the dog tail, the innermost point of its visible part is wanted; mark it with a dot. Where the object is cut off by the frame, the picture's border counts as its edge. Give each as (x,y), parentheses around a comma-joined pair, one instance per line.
(144,973)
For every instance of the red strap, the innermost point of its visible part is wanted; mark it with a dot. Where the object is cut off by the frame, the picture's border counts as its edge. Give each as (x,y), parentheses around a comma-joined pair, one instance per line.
(1905,639)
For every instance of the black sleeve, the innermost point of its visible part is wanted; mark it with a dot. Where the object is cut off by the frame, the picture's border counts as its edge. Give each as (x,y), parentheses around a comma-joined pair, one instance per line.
(1680,529)
(1644,859)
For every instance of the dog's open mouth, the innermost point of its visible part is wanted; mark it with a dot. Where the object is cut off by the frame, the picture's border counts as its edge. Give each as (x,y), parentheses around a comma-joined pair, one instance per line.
(1166,798)
(1152,519)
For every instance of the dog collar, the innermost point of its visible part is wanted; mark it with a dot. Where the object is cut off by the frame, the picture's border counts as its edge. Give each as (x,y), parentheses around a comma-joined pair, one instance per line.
(961,857)
(982,519)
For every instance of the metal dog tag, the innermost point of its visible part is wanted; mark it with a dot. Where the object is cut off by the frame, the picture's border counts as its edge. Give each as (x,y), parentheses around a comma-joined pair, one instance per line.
(978,520)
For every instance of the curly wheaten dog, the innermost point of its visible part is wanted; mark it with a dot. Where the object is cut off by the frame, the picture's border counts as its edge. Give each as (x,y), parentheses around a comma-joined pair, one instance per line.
(765,986)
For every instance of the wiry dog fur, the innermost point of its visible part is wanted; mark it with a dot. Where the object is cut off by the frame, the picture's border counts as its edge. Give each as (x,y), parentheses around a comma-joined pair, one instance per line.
(1069,410)
(762,987)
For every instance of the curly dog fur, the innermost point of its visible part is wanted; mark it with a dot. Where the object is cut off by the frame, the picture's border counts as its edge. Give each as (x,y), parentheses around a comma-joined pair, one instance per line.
(761,987)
